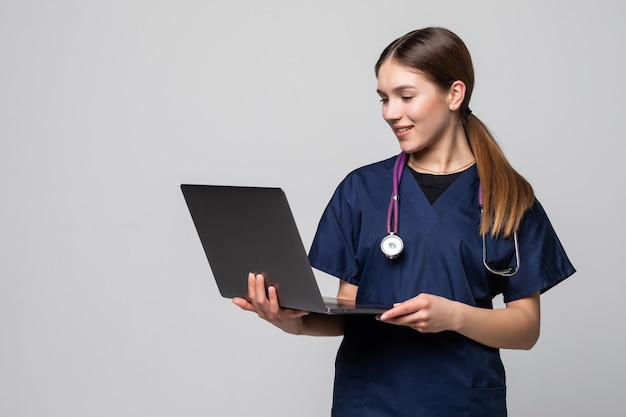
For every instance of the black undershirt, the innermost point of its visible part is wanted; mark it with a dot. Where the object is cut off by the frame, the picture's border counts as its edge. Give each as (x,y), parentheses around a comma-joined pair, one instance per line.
(434,185)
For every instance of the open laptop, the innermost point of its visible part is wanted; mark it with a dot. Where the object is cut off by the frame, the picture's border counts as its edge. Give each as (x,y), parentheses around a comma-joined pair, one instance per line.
(252,229)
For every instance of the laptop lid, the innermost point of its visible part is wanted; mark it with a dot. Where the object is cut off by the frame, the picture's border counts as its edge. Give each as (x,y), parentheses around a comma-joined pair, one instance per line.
(252,229)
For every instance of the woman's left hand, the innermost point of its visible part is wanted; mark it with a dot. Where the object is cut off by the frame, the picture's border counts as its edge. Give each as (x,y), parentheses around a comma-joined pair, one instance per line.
(426,313)
(514,327)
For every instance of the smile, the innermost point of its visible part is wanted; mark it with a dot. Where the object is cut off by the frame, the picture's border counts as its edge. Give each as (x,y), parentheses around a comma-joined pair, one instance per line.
(402,131)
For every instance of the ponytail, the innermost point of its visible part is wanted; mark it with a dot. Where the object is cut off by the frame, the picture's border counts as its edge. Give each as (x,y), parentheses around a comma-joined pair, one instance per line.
(506,194)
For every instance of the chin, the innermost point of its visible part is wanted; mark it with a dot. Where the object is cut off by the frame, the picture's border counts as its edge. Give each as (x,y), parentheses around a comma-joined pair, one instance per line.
(409,148)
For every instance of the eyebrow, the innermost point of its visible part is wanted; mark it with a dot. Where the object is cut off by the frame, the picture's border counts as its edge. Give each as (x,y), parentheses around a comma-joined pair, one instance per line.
(398,89)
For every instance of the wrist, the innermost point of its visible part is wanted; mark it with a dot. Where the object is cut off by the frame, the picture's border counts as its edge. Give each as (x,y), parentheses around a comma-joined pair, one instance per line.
(459,316)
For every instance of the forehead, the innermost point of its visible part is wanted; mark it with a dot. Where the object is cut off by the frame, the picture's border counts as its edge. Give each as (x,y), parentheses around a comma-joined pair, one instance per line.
(392,76)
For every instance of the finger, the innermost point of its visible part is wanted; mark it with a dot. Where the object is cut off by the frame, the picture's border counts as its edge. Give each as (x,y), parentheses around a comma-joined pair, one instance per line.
(273,299)
(243,304)
(392,313)
(400,309)
(391,317)
(251,286)
(259,289)
(409,320)
(275,308)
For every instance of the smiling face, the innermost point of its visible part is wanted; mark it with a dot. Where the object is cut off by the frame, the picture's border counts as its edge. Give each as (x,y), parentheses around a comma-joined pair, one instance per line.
(420,114)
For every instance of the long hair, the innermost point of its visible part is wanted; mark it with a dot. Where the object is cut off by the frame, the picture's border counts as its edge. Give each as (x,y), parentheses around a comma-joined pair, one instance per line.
(442,56)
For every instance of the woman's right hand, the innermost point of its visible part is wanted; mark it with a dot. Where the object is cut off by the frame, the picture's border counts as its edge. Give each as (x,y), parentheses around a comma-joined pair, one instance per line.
(265,304)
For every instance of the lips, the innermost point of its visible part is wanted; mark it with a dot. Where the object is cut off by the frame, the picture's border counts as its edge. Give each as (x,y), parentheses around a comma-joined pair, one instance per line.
(402,131)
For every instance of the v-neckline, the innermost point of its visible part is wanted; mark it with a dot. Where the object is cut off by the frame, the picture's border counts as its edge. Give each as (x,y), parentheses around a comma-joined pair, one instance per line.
(429,214)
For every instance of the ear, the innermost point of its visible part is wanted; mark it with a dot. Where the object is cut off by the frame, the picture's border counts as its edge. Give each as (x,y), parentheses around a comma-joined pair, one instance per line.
(456,95)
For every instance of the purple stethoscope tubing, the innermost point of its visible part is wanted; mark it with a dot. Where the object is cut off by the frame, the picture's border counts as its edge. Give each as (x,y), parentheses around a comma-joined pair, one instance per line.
(394,210)
(392,244)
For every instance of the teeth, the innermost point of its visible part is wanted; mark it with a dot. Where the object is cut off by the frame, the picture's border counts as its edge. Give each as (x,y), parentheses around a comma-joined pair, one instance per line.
(403,129)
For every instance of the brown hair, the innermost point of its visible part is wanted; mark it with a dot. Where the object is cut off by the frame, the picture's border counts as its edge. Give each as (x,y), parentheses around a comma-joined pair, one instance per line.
(443,57)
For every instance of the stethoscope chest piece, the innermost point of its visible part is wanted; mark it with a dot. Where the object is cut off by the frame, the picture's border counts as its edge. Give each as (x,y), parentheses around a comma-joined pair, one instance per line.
(392,246)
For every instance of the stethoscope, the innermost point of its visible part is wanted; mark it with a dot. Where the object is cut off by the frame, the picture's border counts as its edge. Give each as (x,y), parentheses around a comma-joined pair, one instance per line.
(392,245)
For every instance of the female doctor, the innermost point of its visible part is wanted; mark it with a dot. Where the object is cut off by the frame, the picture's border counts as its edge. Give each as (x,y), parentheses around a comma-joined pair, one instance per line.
(458,226)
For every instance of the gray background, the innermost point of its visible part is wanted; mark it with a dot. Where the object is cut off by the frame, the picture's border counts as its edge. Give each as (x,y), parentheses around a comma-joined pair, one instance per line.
(107,304)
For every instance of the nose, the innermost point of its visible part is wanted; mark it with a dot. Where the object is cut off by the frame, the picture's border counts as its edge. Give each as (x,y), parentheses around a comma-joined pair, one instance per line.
(391,111)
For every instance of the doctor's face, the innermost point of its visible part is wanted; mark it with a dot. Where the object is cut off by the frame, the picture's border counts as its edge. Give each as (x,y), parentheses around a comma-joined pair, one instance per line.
(417,110)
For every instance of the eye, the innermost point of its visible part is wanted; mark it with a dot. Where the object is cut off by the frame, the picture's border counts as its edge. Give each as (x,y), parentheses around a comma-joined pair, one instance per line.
(384,100)
(407,98)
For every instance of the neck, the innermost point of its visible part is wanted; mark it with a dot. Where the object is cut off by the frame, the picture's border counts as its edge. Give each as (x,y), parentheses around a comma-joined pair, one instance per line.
(443,161)
(452,168)
(448,158)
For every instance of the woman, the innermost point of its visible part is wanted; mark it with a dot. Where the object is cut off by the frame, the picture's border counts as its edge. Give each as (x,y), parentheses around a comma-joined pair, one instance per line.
(471,229)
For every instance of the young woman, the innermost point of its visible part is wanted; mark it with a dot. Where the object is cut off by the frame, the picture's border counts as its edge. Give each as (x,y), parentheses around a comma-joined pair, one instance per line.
(471,229)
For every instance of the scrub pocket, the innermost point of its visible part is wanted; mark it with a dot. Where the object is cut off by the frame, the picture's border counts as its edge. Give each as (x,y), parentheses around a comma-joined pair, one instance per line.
(349,391)
(488,402)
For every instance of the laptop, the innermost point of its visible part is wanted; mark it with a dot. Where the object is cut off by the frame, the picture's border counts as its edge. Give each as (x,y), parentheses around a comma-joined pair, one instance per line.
(252,229)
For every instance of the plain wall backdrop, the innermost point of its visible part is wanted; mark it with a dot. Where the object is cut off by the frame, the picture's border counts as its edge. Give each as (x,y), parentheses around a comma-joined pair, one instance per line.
(107,303)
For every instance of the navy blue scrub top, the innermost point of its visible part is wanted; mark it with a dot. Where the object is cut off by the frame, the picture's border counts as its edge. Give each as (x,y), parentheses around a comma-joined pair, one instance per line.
(387,370)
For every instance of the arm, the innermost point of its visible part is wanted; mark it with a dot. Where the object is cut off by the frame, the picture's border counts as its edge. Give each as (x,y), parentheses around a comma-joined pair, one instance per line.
(292,321)
(513,327)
